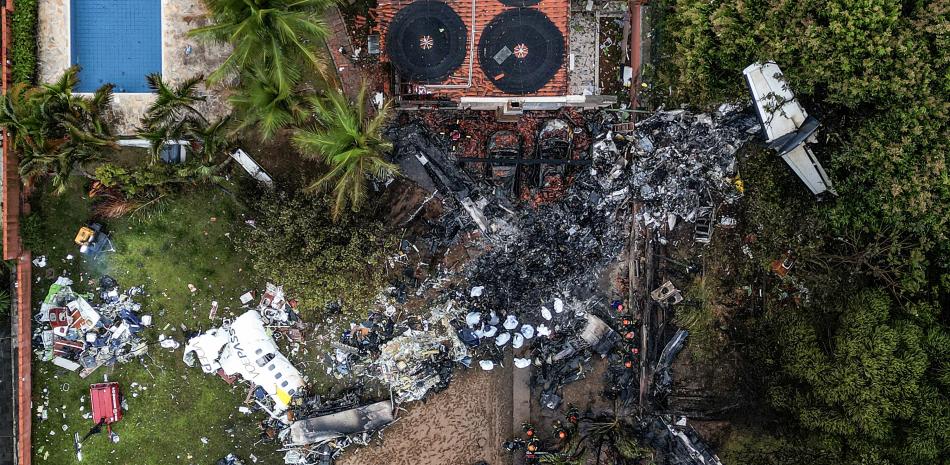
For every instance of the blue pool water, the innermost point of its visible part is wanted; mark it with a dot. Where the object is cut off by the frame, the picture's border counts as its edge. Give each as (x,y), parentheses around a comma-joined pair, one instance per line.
(116,41)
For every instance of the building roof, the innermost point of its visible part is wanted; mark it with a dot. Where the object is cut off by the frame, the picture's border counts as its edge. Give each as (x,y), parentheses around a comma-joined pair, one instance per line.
(518,47)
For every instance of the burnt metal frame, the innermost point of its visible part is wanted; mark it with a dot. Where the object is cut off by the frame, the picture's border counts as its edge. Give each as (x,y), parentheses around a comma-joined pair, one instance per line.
(525,161)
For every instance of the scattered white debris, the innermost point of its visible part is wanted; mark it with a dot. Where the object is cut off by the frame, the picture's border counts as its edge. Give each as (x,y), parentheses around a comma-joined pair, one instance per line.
(558,305)
(527,331)
(517,341)
(502,339)
(477,291)
(486,364)
(511,322)
(40,262)
(522,362)
(473,319)
(546,313)
(543,330)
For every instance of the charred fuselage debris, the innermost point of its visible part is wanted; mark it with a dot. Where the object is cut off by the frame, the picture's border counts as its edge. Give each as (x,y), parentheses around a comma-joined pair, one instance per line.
(540,283)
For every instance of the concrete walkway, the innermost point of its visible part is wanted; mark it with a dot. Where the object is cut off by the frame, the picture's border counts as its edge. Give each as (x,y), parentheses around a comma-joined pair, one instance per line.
(520,396)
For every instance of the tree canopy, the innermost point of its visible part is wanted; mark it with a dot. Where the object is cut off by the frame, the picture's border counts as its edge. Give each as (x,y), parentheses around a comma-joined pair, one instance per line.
(870,383)
(54,129)
(295,242)
(859,378)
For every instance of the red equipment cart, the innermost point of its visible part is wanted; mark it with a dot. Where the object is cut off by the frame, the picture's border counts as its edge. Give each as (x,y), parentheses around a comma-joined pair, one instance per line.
(106,404)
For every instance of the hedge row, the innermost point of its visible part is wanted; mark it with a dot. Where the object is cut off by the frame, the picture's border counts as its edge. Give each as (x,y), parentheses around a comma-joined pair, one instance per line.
(23,48)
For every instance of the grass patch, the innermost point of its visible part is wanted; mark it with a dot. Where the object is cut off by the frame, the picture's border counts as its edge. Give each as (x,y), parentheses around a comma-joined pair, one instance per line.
(699,316)
(187,240)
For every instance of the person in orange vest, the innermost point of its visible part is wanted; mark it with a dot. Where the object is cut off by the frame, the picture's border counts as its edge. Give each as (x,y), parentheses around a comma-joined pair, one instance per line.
(533,445)
(528,429)
(573,416)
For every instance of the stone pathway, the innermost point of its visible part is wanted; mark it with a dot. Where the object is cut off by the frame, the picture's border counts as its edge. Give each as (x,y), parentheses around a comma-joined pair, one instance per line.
(341,51)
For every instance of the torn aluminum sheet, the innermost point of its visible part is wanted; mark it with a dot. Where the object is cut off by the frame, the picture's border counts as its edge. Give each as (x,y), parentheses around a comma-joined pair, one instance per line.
(370,417)
(243,347)
(681,445)
(600,337)
(663,378)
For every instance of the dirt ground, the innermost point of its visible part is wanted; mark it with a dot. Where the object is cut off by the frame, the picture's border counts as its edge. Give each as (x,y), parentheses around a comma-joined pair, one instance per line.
(465,424)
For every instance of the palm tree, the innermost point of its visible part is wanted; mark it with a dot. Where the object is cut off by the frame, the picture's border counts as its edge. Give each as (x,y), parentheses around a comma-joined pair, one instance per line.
(262,103)
(173,102)
(173,115)
(351,143)
(54,130)
(280,36)
(211,139)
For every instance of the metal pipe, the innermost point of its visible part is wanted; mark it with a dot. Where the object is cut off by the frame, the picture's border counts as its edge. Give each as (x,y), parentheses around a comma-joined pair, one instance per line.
(471,60)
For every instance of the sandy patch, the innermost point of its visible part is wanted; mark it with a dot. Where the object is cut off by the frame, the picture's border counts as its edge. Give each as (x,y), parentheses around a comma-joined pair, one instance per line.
(465,424)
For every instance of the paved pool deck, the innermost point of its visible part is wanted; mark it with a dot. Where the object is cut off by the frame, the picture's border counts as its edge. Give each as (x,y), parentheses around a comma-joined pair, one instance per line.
(182,56)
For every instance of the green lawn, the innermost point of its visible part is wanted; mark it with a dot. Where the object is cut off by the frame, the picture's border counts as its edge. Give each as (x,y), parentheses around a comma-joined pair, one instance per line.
(183,242)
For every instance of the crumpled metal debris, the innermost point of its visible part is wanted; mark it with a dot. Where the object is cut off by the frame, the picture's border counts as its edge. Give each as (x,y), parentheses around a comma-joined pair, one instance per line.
(417,361)
(677,442)
(663,379)
(322,428)
(82,331)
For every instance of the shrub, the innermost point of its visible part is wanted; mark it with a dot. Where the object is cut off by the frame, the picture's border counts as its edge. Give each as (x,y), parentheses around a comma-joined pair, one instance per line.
(31,231)
(23,48)
(295,242)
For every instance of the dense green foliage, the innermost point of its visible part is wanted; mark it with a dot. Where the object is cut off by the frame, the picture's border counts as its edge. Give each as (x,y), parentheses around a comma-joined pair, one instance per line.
(155,179)
(856,365)
(276,50)
(870,382)
(278,37)
(874,71)
(54,130)
(349,140)
(295,242)
(23,23)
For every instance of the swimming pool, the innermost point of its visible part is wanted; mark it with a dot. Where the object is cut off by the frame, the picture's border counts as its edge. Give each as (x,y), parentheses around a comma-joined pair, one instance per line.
(116,41)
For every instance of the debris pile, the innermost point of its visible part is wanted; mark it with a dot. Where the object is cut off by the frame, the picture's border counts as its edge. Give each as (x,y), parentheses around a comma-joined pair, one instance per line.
(677,442)
(245,347)
(544,267)
(418,361)
(683,163)
(320,438)
(78,334)
(318,429)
